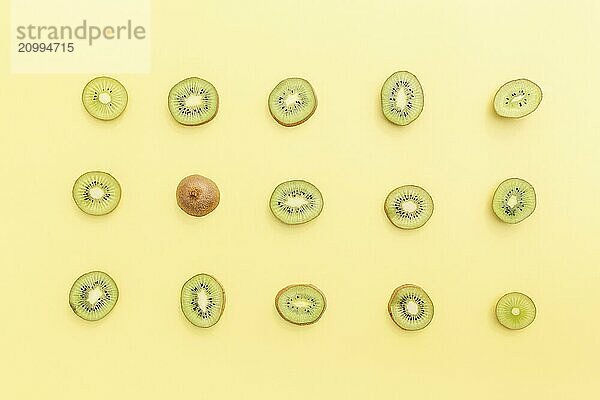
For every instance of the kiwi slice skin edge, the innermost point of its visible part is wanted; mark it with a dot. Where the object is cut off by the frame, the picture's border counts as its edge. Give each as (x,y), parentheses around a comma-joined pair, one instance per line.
(497,200)
(522,298)
(75,296)
(312,94)
(103,112)
(426,299)
(498,102)
(300,285)
(183,298)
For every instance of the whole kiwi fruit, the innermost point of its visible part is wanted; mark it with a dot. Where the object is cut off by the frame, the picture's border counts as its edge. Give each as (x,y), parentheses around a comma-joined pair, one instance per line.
(197,195)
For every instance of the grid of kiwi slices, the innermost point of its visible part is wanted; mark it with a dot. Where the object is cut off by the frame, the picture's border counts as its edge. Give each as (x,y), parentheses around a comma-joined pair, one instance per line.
(195,101)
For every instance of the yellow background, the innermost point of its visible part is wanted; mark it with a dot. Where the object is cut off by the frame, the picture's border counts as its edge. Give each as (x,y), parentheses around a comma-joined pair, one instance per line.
(461,51)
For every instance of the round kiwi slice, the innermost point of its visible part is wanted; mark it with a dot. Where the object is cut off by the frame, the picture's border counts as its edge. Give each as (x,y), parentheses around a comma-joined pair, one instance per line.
(93,295)
(410,307)
(296,202)
(104,98)
(518,98)
(515,310)
(193,101)
(292,101)
(514,200)
(402,98)
(197,195)
(96,193)
(202,300)
(301,304)
(408,207)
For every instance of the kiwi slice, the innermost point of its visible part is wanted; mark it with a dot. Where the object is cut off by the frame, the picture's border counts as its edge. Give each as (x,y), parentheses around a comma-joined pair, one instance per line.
(514,200)
(402,98)
(202,300)
(292,101)
(96,193)
(408,207)
(93,295)
(296,202)
(300,304)
(104,98)
(193,101)
(518,98)
(515,310)
(197,195)
(410,307)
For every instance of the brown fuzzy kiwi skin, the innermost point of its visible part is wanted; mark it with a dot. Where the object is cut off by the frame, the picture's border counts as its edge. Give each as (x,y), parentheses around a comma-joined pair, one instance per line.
(496,191)
(381,94)
(280,293)
(197,195)
(216,107)
(301,121)
(513,80)
(507,327)
(222,308)
(392,300)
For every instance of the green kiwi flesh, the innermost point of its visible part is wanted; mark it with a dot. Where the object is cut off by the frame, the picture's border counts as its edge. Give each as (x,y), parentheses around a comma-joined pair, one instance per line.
(515,310)
(408,207)
(514,200)
(104,98)
(402,98)
(517,98)
(410,307)
(296,202)
(300,304)
(292,101)
(96,193)
(202,300)
(93,295)
(193,101)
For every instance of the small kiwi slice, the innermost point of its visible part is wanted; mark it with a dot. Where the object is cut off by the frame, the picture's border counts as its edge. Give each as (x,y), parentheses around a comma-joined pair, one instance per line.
(300,304)
(202,300)
(197,195)
(96,193)
(410,307)
(402,98)
(515,310)
(104,98)
(408,207)
(193,101)
(514,200)
(296,202)
(517,98)
(292,101)
(93,295)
